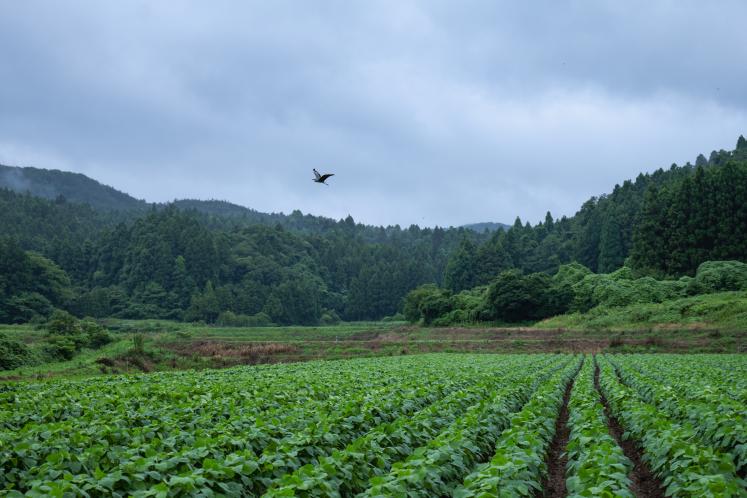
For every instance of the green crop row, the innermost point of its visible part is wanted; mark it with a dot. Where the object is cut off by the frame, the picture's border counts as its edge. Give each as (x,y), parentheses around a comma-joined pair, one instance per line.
(436,468)
(149,441)
(518,464)
(723,375)
(717,419)
(461,425)
(231,432)
(347,472)
(596,466)
(686,468)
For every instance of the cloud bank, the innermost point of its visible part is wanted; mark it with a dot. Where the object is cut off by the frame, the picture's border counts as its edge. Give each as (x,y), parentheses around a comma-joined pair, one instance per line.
(434,113)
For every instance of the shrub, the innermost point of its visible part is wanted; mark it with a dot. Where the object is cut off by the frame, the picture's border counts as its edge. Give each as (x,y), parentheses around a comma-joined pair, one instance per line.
(97,335)
(63,323)
(13,354)
(514,297)
(412,307)
(716,276)
(434,305)
(613,290)
(60,347)
(329,317)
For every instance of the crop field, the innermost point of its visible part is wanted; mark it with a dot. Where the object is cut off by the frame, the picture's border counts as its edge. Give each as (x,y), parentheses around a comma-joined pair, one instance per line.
(432,425)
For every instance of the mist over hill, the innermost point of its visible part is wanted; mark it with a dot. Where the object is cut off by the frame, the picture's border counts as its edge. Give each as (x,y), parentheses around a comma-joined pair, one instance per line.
(79,188)
(74,187)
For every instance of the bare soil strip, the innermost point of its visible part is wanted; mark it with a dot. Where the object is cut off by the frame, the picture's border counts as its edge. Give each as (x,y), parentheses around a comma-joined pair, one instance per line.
(554,484)
(644,483)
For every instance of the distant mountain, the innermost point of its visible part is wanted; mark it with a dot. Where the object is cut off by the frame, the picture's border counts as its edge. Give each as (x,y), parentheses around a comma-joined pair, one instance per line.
(74,187)
(490,226)
(80,189)
(77,188)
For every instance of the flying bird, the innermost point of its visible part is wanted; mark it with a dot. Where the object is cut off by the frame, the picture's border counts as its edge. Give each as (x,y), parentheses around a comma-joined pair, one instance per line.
(321,178)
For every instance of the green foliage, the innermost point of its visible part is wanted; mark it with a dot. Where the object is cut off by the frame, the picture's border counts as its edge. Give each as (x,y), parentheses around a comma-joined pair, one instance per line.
(329,317)
(698,218)
(514,297)
(156,263)
(621,289)
(465,307)
(414,300)
(97,335)
(724,310)
(461,271)
(253,425)
(138,343)
(670,448)
(128,259)
(425,452)
(427,303)
(30,285)
(27,306)
(570,274)
(518,462)
(67,335)
(14,354)
(665,223)
(616,299)
(457,425)
(694,400)
(60,347)
(63,323)
(596,466)
(397,317)
(718,276)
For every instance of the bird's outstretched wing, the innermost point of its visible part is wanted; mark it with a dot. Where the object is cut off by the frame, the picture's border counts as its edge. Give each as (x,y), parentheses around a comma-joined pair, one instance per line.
(316,174)
(324,177)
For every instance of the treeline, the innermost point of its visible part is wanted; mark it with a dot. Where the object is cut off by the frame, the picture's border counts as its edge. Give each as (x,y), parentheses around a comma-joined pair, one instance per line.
(666,222)
(702,217)
(194,266)
(221,263)
(669,234)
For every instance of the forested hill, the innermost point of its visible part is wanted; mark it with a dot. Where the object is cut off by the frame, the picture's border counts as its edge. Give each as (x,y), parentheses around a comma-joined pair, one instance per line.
(183,264)
(667,222)
(214,261)
(65,186)
(80,189)
(74,187)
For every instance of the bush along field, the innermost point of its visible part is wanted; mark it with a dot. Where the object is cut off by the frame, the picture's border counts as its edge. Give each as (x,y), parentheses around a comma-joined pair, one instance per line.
(60,338)
(715,296)
(458,425)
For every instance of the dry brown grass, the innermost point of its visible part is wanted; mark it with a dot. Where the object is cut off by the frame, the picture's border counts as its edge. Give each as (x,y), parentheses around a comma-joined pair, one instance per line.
(241,350)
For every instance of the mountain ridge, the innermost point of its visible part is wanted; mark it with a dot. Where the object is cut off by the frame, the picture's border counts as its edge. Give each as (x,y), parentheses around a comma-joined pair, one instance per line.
(82,189)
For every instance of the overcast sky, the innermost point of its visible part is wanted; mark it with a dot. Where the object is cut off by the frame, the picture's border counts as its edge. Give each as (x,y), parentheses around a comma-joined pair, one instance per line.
(431,112)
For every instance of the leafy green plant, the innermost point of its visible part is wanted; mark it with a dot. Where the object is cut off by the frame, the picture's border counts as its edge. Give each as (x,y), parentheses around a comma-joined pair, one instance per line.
(716,417)
(13,353)
(596,466)
(686,468)
(518,463)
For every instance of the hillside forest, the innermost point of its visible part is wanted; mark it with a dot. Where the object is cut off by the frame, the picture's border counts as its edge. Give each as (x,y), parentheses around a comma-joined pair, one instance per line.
(71,244)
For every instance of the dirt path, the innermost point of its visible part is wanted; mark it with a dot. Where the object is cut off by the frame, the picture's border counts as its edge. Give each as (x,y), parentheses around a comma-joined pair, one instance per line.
(554,485)
(644,483)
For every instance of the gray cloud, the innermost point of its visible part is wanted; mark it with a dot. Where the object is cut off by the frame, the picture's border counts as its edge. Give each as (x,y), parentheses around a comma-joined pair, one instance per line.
(428,112)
